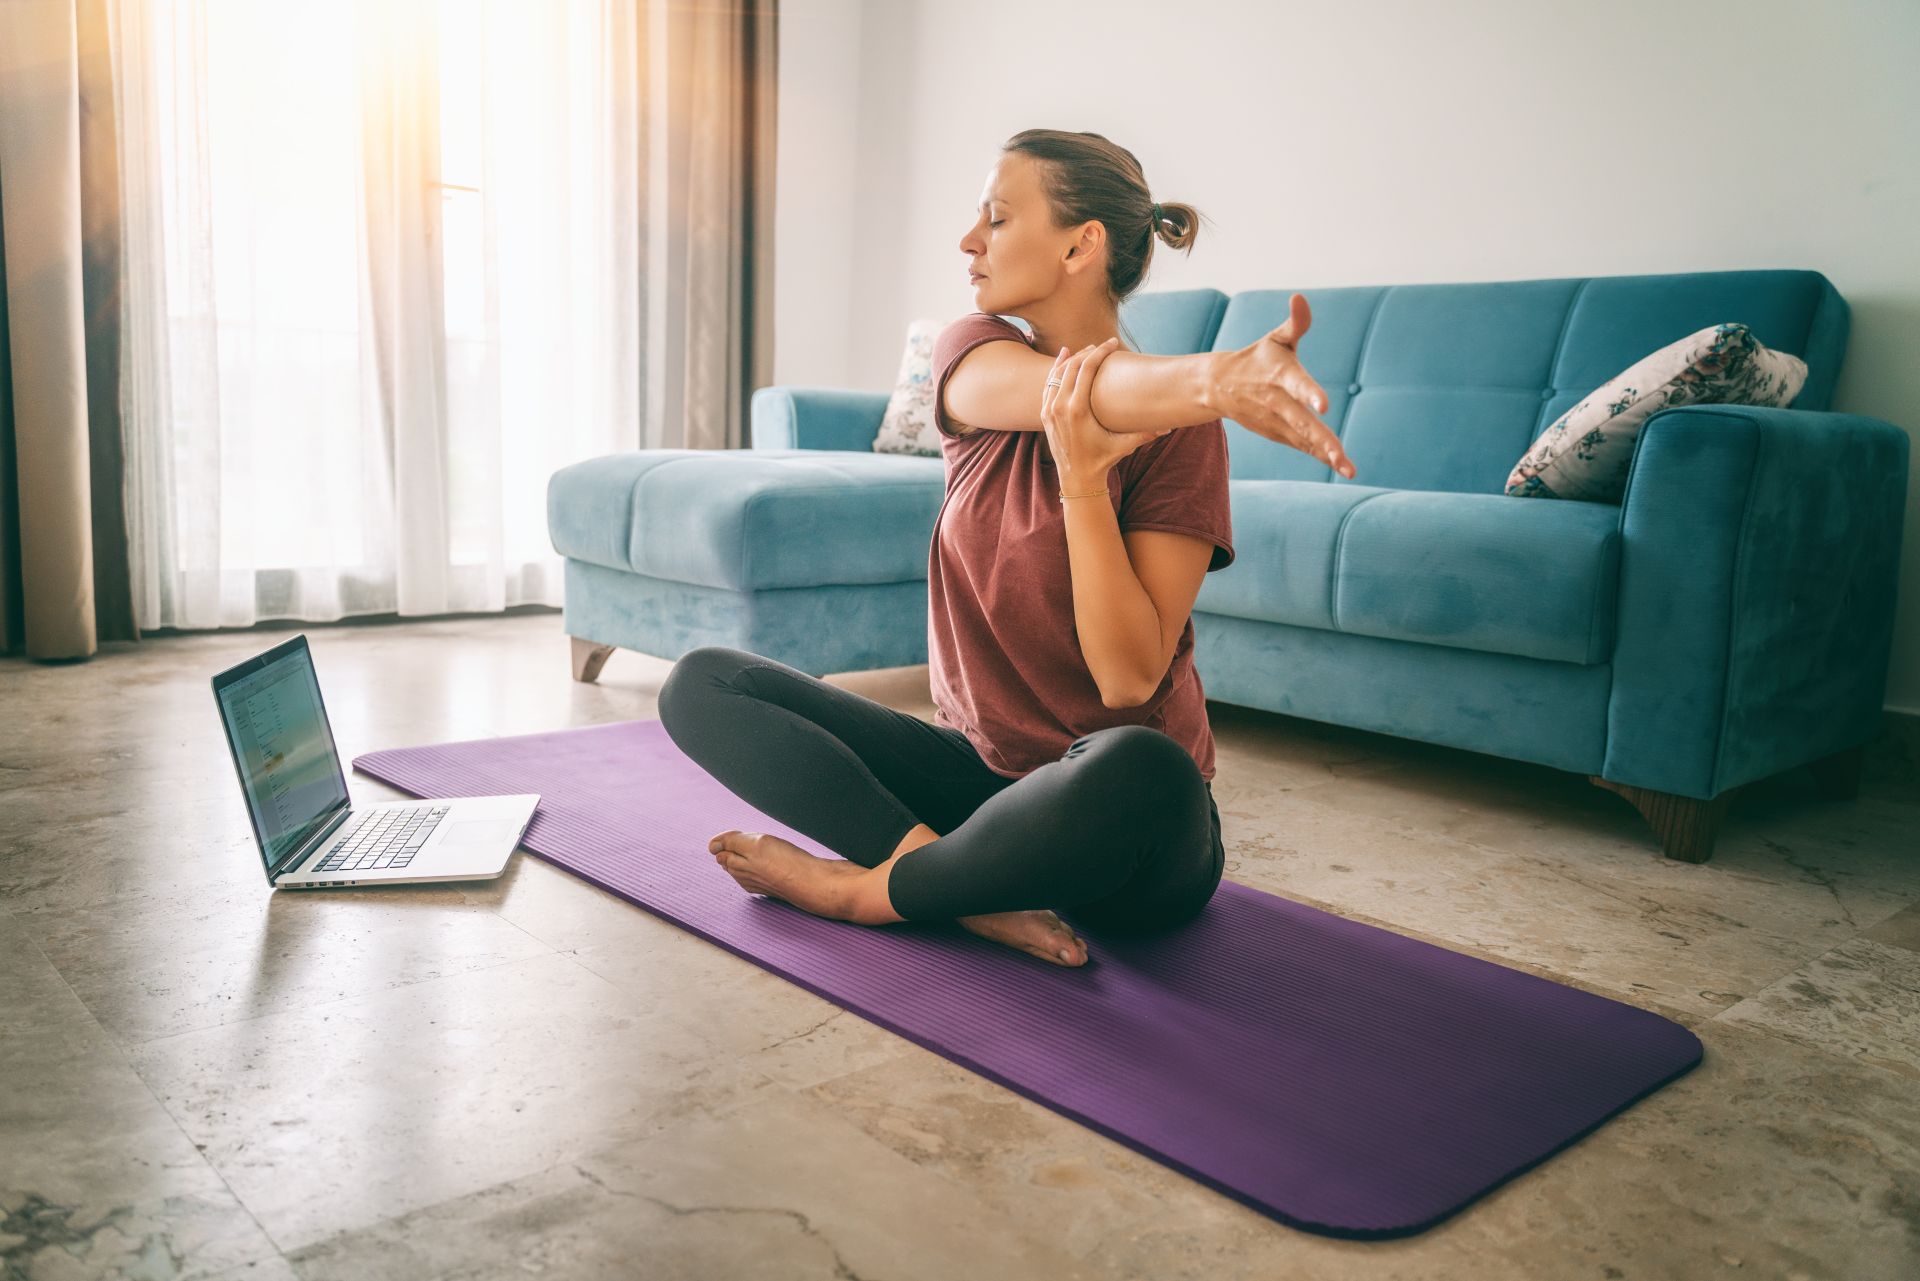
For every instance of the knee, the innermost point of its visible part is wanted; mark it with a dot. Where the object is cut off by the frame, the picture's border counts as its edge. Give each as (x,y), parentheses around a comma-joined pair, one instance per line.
(1138,761)
(1137,747)
(699,670)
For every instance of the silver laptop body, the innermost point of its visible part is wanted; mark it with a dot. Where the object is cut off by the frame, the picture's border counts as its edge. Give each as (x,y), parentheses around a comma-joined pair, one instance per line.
(310,831)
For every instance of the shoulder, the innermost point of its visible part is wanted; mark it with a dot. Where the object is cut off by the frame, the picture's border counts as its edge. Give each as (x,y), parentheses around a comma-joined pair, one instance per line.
(955,340)
(984,322)
(958,336)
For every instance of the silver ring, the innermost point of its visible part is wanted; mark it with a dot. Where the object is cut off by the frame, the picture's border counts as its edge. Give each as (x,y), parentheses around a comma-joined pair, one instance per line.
(1053,382)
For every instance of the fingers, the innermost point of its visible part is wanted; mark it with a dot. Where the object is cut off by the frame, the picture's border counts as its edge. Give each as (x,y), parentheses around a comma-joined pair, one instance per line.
(1056,378)
(1066,369)
(1311,436)
(1301,385)
(1297,404)
(1310,393)
(1082,390)
(1326,448)
(1299,320)
(1072,384)
(1306,428)
(1334,456)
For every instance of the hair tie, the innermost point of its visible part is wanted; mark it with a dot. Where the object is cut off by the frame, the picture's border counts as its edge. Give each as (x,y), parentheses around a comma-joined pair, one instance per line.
(1156,211)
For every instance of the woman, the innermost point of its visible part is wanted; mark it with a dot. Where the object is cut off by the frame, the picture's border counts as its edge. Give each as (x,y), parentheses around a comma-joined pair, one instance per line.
(1070,764)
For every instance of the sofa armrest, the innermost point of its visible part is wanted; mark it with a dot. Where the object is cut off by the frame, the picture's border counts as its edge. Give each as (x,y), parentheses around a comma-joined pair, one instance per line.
(816,418)
(1758,567)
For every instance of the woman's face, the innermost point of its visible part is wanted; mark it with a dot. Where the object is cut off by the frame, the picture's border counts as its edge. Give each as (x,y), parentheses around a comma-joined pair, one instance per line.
(1014,252)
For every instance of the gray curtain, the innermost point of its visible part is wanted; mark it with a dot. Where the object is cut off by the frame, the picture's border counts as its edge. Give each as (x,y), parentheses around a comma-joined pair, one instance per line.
(706,257)
(64,568)
(708,340)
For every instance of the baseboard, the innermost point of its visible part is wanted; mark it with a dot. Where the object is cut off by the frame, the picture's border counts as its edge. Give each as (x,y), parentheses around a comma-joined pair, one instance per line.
(1893,758)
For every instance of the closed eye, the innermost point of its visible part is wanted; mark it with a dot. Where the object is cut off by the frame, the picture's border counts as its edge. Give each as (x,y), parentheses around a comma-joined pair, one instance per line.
(996,224)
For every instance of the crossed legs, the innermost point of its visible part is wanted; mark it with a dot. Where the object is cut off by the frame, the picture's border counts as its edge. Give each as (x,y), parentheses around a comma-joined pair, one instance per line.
(1120,833)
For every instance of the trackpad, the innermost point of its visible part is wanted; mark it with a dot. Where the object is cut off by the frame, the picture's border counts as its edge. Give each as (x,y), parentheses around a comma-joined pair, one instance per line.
(482,831)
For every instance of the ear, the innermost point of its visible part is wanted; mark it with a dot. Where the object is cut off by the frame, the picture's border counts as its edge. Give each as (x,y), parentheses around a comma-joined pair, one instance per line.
(1085,249)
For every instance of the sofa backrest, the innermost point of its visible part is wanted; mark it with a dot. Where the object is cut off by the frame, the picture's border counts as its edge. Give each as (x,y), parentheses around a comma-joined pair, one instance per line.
(1444,386)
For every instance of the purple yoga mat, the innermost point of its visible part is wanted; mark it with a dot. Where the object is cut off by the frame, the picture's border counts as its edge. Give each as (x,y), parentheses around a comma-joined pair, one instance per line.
(1337,1076)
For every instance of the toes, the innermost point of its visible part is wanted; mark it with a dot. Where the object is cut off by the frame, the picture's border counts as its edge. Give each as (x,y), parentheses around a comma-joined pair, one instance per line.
(1063,930)
(1051,952)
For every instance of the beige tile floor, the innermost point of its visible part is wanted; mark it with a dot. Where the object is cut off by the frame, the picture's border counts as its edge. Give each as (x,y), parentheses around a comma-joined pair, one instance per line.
(201,1078)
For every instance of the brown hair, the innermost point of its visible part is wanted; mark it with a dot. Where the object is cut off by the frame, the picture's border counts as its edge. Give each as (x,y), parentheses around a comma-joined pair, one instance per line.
(1090,179)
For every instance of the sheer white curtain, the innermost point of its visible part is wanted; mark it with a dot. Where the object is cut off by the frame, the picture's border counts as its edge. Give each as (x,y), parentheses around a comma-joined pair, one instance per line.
(382,278)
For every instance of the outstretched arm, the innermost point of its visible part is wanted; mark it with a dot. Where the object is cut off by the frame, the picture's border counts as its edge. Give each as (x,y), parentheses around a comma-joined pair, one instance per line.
(999,385)
(1138,392)
(1262,386)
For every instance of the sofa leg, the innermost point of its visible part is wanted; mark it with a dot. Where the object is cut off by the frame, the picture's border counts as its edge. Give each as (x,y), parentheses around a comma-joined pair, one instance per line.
(1686,826)
(1838,776)
(588,658)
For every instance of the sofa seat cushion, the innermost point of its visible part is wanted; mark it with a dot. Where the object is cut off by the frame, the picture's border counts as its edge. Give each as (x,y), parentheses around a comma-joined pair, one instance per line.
(748,519)
(1469,571)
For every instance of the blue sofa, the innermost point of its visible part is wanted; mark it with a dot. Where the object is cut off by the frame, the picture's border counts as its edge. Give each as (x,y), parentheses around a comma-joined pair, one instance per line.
(1730,619)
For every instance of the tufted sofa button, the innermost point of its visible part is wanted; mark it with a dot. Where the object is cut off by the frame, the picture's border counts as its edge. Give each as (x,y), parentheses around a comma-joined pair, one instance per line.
(1546,393)
(1352,387)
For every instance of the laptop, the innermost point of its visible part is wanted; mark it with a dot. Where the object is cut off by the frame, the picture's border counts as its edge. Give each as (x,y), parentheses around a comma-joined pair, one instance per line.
(310,831)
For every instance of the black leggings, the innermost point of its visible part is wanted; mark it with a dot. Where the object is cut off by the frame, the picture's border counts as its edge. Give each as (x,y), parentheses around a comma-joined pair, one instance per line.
(1120,834)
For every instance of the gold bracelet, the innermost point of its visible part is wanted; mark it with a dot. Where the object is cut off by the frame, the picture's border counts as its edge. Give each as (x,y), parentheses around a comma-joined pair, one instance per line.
(1104,493)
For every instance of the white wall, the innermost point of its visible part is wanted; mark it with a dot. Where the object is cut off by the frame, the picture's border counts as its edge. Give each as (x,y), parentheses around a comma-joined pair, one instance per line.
(1372,143)
(818,148)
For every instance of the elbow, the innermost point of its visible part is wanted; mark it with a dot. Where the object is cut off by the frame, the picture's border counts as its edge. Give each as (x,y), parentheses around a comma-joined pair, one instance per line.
(1130,698)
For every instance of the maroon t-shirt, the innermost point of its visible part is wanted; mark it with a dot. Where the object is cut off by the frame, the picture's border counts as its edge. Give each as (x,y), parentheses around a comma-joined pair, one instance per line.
(1003,644)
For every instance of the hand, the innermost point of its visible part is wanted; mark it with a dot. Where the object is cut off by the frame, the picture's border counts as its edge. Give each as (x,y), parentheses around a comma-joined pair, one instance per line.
(1083,451)
(1266,389)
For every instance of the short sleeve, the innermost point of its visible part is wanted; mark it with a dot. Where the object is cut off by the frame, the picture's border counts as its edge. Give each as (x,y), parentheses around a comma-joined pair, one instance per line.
(1181,487)
(955,341)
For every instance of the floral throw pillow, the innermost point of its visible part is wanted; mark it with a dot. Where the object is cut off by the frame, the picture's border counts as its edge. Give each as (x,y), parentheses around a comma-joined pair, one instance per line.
(1584,454)
(907,427)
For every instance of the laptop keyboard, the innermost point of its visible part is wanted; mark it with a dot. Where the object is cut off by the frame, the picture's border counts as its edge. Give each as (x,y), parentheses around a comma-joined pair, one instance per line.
(389,838)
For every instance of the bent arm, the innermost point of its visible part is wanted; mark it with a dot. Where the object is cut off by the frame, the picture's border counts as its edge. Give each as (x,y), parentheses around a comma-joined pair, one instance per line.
(999,385)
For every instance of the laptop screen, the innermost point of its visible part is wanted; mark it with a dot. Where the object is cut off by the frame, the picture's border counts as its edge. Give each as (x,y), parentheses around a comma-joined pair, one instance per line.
(282,745)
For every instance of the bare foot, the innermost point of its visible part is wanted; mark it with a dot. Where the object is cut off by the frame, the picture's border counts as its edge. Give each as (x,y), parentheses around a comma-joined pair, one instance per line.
(1039,932)
(766,864)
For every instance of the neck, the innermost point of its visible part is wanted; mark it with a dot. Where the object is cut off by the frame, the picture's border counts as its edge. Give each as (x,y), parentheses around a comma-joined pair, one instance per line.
(1056,326)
